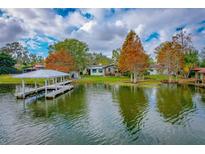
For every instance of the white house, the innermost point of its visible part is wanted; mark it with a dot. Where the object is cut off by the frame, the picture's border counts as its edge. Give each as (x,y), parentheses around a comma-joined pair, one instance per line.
(100,70)
(97,70)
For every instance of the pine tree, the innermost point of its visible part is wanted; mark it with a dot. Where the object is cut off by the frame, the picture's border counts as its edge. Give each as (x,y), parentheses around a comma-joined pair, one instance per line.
(132,58)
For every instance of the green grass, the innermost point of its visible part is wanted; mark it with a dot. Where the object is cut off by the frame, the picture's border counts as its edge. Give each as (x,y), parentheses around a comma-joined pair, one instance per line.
(150,80)
(157,77)
(8,79)
(102,79)
(153,80)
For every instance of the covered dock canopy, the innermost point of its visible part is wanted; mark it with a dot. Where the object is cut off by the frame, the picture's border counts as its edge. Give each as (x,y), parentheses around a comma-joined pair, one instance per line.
(45,74)
(42,74)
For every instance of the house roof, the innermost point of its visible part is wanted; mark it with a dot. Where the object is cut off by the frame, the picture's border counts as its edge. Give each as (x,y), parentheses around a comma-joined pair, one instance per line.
(41,74)
(96,66)
(198,69)
(39,65)
(111,65)
(101,66)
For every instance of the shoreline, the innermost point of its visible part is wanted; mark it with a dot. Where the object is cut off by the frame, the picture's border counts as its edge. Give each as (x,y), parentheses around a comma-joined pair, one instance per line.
(150,81)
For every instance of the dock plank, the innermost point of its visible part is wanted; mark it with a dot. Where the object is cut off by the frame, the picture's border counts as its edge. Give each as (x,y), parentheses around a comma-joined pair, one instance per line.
(55,93)
(22,95)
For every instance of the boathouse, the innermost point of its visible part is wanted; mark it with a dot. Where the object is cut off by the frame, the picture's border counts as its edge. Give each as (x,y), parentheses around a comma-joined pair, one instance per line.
(56,83)
(199,74)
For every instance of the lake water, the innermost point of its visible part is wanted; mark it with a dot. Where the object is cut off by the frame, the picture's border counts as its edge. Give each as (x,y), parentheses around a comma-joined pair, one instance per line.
(104,114)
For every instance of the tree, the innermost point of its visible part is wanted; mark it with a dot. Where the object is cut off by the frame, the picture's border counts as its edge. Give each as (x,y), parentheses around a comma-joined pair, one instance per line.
(34,59)
(170,58)
(60,60)
(17,51)
(191,60)
(115,56)
(98,59)
(6,64)
(76,48)
(184,39)
(202,58)
(132,57)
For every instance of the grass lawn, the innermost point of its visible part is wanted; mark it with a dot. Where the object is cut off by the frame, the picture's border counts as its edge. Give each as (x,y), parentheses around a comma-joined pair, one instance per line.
(149,80)
(156,77)
(102,79)
(8,79)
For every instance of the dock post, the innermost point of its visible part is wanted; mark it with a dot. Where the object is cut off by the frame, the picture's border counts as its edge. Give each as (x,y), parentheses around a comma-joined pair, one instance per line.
(63,81)
(56,83)
(45,87)
(35,87)
(23,88)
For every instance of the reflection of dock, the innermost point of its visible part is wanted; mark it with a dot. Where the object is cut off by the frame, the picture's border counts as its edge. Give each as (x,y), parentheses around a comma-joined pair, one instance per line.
(58,87)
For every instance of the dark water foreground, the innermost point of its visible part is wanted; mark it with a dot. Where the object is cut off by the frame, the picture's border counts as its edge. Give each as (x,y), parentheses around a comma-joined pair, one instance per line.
(102,114)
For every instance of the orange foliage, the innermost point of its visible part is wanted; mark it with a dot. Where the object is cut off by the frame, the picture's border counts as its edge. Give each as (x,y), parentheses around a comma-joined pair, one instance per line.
(132,57)
(170,57)
(60,61)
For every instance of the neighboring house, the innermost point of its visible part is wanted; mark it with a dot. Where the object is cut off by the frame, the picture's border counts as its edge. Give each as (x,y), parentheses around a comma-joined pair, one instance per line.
(100,70)
(199,74)
(96,70)
(34,68)
(153,69)
(110,70)
(39,66)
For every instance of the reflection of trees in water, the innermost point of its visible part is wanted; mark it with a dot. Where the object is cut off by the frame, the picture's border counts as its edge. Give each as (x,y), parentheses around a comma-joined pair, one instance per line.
(133,103)
(174,102)
(71,104)
(7,88)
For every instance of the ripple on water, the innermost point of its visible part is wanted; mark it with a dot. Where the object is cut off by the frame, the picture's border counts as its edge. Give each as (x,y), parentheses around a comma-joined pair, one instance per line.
(101,114)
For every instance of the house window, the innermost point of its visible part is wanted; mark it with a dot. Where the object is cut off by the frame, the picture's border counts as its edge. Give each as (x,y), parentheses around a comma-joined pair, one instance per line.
(94,70)
(100,70)
(109,70)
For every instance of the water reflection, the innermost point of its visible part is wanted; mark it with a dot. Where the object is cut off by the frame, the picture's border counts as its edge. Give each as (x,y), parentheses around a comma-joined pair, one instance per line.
(174,103)
(105,114)
(132,103)
(71,104)
(6,88)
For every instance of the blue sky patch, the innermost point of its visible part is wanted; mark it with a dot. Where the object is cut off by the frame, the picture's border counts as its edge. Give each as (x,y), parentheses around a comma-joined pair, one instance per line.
(64,12)
(1,12)
(199,30)
(202,22)
(87,15)
(39,44)
(154,35)
(180,28)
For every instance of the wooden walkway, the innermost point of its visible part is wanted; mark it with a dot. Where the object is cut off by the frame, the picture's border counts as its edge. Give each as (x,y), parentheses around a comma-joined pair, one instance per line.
(62,90)
(56,87)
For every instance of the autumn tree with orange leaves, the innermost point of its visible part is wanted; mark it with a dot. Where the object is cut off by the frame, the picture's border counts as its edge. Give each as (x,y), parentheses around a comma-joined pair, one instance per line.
(170,58)
(133,58)
(60,61)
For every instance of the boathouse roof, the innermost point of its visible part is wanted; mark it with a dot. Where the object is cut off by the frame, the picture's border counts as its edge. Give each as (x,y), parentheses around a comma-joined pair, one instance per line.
(42,74)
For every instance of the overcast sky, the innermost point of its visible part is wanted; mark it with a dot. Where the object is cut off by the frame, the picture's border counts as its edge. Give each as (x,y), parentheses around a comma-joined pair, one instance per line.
(102,29)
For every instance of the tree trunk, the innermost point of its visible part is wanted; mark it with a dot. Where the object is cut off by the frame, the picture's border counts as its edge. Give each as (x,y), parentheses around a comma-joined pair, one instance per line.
(187,76)
(135,77)
(170,78)
(131,77)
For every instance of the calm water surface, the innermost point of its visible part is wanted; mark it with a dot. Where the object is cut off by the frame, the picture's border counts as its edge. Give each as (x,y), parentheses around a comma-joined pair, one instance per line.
(103,114)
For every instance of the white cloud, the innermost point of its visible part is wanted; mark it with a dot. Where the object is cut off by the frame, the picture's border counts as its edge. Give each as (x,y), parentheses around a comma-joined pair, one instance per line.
(106,31)
(87,27)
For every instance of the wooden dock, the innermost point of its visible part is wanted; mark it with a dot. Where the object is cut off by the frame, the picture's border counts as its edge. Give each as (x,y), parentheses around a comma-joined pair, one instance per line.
(58,87)
(58,92)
